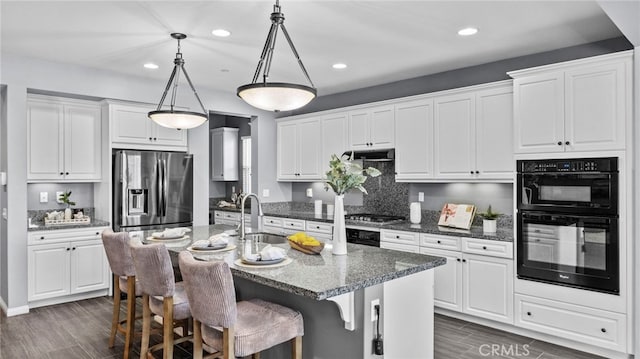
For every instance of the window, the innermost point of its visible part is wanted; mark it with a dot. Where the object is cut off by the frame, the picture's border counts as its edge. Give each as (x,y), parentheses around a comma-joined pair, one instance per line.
(246,164)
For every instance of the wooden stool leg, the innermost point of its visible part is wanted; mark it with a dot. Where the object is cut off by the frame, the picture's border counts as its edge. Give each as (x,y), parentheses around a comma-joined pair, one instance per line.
(228,343)
(146,326)
(197,340)
(131,315)
(167,323)
(296,348)
(116,311)
(255,356)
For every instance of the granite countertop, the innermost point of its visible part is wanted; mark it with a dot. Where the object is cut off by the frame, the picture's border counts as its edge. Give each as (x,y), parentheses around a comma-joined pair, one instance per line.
(426,226)
(315,276)
(39,226)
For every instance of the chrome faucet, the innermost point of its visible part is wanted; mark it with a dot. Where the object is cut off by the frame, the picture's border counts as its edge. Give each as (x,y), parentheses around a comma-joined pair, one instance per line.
(260,214)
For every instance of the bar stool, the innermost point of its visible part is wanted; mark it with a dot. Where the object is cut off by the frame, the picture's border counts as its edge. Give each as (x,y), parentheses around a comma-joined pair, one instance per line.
(161,295)
(235,329)
(116,245)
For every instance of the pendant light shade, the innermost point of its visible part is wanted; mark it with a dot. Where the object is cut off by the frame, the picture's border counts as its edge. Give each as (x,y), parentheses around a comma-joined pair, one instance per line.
(276,96)
(171,117)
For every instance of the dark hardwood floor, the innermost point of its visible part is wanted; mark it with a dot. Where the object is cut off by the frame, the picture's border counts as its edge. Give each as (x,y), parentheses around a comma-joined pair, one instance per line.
(81,330)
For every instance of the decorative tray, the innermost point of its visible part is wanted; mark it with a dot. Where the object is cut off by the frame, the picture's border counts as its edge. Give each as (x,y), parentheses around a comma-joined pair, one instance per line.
(62,222)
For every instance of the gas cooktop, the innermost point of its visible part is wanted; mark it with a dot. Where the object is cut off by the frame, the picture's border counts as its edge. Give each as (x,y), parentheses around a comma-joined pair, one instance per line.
(374,218)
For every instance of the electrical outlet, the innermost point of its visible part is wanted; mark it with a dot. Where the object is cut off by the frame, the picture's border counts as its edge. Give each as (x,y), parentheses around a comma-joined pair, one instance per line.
(265,193)
(58,194)
(373,309)
(309,192)
(233,189)
(44,197)
(420,196)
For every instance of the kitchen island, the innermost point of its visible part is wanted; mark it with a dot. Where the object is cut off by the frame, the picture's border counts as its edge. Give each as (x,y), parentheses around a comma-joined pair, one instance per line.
(335,295)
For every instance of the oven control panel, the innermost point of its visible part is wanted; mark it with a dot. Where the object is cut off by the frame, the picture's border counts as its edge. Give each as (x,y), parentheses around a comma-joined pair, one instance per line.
(609,164)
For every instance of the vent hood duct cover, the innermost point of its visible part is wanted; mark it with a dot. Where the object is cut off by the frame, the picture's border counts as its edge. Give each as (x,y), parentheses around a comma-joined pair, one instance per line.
(377,156)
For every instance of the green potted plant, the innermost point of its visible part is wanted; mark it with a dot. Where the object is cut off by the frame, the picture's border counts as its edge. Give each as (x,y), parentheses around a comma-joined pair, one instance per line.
(343,176)
(65,197)
(489,220)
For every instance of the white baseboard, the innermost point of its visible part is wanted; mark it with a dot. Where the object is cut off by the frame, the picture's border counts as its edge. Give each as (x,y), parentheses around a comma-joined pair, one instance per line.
(536,335)
(10,312)
(69,298)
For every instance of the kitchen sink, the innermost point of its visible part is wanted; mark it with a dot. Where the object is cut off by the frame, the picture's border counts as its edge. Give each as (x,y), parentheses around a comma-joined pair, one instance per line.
(266,238)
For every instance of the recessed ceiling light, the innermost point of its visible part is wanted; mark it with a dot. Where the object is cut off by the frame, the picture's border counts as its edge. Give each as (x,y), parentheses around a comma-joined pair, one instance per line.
(467,31)
(220,33)
(150,65)
(339,66)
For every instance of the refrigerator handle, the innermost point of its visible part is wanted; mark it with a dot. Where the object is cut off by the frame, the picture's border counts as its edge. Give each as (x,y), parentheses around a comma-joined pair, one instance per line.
(165,188)
(125,186)
(158,173)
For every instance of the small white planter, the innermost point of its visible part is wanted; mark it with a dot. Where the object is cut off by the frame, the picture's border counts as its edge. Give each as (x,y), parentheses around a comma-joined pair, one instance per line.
(489,225)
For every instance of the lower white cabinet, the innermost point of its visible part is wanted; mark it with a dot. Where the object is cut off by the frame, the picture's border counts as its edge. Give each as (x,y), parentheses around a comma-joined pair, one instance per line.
(66,262)
(231,218)
(475,284)
(583,324)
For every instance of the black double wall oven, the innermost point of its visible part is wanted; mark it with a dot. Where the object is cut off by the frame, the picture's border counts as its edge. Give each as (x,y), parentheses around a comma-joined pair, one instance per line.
(567,222)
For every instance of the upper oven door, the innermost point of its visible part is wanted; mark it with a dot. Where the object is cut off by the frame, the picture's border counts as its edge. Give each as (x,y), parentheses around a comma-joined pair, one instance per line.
(572,192)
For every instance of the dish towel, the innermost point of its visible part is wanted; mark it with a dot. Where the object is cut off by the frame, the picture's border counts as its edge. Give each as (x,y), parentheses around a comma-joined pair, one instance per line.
(268,253)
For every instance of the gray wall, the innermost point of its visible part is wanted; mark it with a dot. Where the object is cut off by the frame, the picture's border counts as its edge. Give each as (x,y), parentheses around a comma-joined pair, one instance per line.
(494,71)
(81,194)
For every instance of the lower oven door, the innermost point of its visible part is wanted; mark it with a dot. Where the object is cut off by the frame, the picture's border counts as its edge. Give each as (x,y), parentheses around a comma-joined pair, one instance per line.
(363,236)
(578,251)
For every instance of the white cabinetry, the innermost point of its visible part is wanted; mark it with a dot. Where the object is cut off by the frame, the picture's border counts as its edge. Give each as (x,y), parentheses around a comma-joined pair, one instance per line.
(322,231)
(231,218)
(581,105)
(414,140)
(131,128)
(298,152)
(583,324)
(65,265)
(372,128)
(478,276)
(473,134)
(282,226)
(224,154)
(334,138)
(463,134)
(63,140)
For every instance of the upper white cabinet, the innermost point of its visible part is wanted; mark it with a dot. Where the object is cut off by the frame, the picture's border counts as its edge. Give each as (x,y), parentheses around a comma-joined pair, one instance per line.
(459,135)
(333,137)
(372,128)
(581,105)
(414,140)
(224,154)
(132,128)
(298,150)
(63,140)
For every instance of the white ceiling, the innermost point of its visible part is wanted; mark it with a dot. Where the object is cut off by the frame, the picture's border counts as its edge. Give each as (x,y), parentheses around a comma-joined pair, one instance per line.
(381,41)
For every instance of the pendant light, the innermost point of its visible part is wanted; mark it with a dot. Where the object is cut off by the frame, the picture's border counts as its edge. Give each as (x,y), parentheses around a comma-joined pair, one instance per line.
(276,96)
(171,117)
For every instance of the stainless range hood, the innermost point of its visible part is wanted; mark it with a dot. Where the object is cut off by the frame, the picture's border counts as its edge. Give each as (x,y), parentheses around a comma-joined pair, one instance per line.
(374,155)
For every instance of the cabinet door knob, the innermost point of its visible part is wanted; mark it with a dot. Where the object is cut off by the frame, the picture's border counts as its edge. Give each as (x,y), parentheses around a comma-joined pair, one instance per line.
(471,172)
(559,143)
(155,138)
(150,139)
(66,173)
(567,143)
(74,248)
(458,259)
(61,173)
(603,330)
(529,313)
(464,260)
(477,172)
(68,249)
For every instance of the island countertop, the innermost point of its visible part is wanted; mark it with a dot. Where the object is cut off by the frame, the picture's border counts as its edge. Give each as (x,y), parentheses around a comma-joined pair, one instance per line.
(315,276)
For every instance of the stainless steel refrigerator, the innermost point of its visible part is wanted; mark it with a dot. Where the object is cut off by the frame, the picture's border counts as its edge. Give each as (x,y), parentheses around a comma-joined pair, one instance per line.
(152,190)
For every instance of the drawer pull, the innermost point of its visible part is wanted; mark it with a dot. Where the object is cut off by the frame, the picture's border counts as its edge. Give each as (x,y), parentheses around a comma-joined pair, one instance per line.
(529,313)
(317,227)
(397,237)
(484,247)
(439,241)
(603,330)
(42,237)
(97,233)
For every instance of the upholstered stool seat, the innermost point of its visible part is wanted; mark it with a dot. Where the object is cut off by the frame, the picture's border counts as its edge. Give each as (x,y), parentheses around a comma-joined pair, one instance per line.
(181,308)
(234,329)
(116,246)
